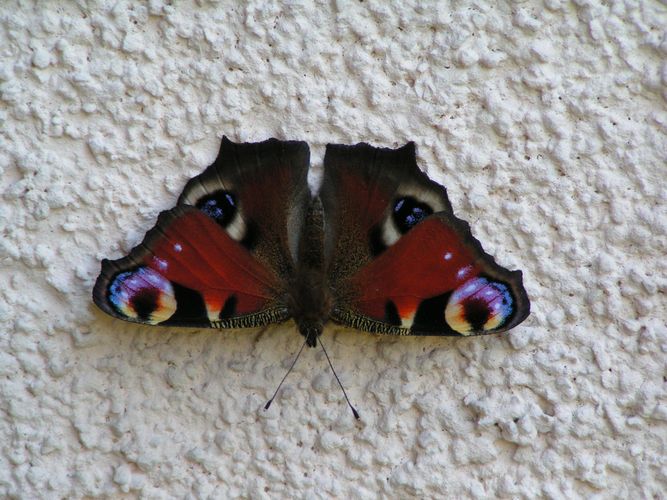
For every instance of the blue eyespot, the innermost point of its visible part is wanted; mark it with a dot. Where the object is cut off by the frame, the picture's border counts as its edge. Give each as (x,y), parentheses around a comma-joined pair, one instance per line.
(409,212)
(479,306)
(143,295)
(220,206)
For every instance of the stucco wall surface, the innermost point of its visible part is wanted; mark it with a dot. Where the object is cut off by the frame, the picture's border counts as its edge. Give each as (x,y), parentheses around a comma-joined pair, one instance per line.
(547,121)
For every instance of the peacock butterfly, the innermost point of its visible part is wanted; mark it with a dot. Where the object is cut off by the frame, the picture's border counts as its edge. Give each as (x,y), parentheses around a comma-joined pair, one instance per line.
(378,249)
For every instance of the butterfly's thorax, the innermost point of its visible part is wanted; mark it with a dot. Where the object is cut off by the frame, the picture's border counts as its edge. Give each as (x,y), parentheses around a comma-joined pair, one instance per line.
(310,301)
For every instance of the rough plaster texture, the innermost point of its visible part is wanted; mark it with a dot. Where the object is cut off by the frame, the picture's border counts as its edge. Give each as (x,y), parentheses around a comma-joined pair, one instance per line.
(547,121)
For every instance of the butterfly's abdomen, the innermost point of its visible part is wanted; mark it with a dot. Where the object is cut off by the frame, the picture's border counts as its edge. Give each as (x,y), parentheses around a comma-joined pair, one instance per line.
(310,301)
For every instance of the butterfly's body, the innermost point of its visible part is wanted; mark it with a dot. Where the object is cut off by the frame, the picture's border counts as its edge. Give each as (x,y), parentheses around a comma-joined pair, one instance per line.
(378,249)
(310,303)
(310,299)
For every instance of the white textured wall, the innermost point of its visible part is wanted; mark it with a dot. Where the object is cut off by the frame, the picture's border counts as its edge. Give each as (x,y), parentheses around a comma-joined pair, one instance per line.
(547,121)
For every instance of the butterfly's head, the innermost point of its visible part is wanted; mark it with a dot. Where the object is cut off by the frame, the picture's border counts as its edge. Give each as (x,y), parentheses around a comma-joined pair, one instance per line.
(311,332)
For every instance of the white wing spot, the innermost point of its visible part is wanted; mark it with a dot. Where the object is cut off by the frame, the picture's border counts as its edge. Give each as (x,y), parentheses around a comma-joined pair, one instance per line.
(390,234)
(448,256)
(236,228)
(178,247)
(462,272)
(160,263)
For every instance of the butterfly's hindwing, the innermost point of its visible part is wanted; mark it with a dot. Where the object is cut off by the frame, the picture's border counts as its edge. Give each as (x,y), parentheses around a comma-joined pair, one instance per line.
(189,272)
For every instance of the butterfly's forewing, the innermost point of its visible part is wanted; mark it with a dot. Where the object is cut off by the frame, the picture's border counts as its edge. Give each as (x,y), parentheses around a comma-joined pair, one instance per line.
(223,256)
(259,193)
(401,262)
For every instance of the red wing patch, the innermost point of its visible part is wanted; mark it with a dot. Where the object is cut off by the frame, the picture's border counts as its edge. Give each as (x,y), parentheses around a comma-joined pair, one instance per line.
(187,271)
(194,252)
(435,279)
(429,262)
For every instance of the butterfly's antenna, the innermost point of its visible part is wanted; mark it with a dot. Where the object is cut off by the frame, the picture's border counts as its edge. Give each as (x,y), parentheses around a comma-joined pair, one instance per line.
(354,412)
(268,403)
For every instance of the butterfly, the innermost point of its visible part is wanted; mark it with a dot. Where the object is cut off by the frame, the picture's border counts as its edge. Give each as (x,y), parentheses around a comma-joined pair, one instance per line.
(378,249)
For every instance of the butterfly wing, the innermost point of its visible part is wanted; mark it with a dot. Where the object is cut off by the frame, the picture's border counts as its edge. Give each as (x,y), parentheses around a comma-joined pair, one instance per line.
(400,261)
(222,257)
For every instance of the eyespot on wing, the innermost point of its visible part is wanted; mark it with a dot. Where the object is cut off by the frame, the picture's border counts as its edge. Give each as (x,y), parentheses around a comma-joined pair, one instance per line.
(479,306)
(142,295)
